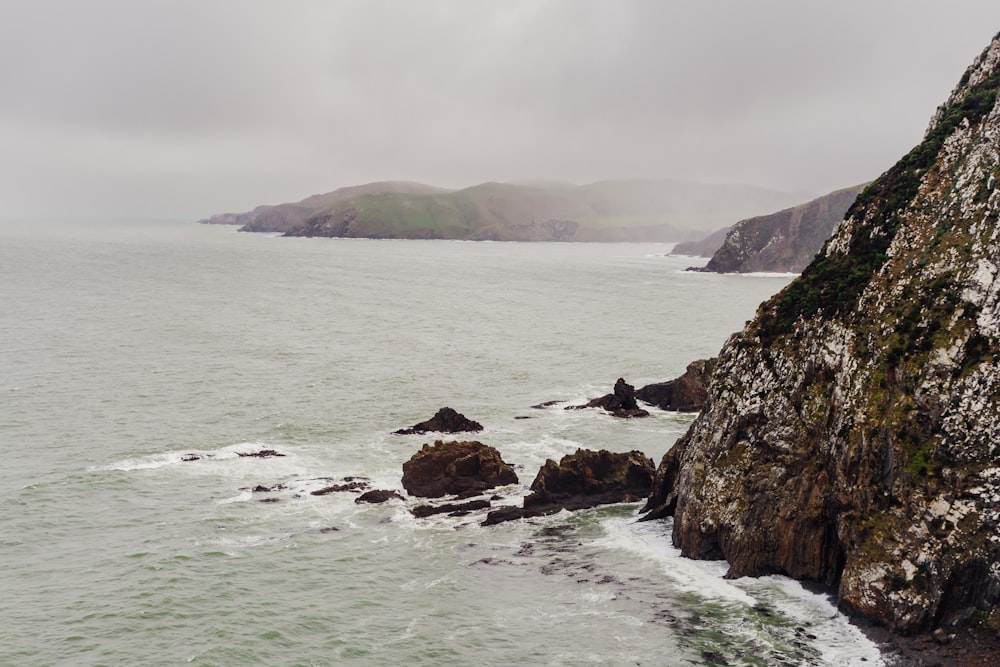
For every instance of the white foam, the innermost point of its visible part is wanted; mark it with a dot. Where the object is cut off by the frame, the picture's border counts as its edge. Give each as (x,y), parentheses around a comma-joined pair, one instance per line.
(191,457)
(839,643)
(241,497)
(652,540)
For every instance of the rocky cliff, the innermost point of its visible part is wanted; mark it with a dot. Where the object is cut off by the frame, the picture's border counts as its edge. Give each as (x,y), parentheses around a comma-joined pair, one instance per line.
(782,242)
(704,247)
(852,430)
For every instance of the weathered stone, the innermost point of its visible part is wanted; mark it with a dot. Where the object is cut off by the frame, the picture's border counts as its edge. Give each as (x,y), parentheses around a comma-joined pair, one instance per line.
(445,421)
(451,468)
(687,393)
(850,434)
(620,403)
(583,479)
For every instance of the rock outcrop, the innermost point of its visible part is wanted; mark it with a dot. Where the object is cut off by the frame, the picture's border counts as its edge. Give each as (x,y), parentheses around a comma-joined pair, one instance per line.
(687,393)
(621,402)
(852,431)
(455,468)
(583,479)
(444,420)
(376,496)
(782,242)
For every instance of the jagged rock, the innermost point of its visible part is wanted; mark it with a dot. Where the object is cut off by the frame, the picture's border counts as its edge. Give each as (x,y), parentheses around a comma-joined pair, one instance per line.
(620,403)
(451,509)
(262,454)
(340,488)
(377,496)
(583,479)
(452,468)
(687,393)
(850,434)
(445,420)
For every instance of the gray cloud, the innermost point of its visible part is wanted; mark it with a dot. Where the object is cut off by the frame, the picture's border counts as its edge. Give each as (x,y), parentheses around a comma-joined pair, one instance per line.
(186,108)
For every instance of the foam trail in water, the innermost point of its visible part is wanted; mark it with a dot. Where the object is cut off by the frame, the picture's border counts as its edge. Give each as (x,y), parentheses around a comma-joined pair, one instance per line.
(839,643)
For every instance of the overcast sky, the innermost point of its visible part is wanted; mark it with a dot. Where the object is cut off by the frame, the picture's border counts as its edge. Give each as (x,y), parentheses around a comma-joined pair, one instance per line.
(183,108)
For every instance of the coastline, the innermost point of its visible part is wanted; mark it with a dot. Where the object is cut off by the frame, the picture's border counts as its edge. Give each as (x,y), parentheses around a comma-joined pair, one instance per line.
(968,647)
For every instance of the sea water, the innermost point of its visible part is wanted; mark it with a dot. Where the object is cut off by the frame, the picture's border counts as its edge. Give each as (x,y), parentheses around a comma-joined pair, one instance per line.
(138,360)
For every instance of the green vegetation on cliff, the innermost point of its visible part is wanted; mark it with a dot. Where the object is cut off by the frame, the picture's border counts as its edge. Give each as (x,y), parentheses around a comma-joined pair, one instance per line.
(834,281)
(850,435)
(636,210)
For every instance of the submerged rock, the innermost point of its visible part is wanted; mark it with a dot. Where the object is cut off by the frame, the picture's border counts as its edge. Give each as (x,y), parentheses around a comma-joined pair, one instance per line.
(262,454)
(851,431)
(583,479)
(687,393)
(377,496)
(354,486)
(453,468)
(445,421)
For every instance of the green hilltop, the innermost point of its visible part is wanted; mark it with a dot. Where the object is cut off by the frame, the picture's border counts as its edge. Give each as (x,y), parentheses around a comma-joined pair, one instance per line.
(632,210)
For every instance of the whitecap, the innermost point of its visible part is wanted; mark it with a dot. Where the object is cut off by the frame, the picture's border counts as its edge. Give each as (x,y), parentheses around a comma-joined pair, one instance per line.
(839,643)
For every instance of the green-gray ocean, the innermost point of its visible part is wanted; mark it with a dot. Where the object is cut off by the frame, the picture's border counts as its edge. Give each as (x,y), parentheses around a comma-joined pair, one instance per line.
(128,347)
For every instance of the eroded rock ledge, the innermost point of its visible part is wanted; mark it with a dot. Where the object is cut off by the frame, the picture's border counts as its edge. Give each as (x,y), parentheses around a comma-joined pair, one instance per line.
(581,480)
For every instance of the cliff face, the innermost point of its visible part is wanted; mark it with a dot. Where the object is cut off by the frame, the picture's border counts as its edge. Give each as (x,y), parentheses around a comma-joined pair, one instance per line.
(705,247)
(782,242)
(852,431)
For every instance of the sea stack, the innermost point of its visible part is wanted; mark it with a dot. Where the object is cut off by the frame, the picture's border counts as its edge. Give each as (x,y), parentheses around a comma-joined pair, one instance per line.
(852,430)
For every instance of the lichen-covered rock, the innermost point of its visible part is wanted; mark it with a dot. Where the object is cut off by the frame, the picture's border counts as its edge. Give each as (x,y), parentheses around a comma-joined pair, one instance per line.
(852,431)
(455,468)
(687,393)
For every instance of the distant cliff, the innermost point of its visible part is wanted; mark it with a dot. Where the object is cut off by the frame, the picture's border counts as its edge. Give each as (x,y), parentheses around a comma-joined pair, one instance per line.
(782,242)
(852,431)
(638,210)
(705,247)
(283,217)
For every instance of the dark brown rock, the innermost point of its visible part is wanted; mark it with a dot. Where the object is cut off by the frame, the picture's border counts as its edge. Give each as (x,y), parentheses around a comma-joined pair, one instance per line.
(445,421)
(339,488)
(687,393)
(451,468)
(587,478)
(620,403)
(262,454)
(377,496)
(452,509)
(583,479)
